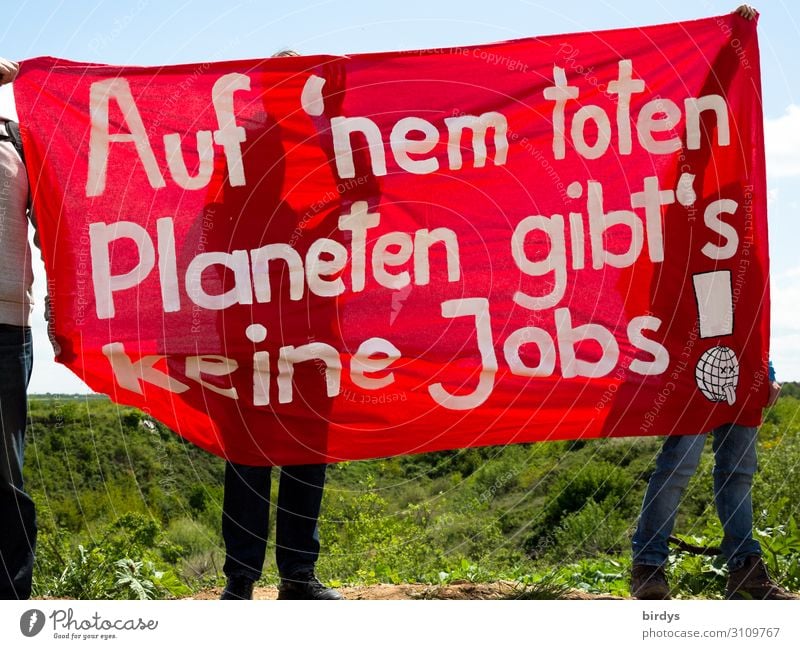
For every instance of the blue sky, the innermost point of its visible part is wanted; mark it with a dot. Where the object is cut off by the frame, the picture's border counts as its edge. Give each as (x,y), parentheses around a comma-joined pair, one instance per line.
(143,32)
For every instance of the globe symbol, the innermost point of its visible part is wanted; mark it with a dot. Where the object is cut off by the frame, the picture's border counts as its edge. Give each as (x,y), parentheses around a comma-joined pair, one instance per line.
(717,374)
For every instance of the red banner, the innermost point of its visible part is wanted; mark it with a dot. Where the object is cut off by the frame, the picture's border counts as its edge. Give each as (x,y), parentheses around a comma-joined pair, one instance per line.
(311,259)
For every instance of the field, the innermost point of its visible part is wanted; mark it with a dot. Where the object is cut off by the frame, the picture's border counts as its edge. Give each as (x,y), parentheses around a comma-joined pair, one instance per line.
(128,510)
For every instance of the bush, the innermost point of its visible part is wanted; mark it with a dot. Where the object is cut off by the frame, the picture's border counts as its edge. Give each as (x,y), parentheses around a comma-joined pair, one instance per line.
(776,487)
(364,541)
(191,536)
(780,545)
(130,560)
(605,485)
(599,575)
(598,482)
(590,532)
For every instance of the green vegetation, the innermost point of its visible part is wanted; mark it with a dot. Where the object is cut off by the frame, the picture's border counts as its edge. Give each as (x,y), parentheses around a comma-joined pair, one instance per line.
(129,510)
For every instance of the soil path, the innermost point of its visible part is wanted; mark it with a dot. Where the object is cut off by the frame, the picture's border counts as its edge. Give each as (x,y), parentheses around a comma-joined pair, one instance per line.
(465,590)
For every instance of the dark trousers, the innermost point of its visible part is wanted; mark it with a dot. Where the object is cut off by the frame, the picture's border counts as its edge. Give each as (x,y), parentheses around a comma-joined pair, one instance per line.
(17,513)
(245,518)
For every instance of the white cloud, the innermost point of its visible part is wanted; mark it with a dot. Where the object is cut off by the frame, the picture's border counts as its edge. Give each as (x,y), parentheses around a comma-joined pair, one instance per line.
(782,136)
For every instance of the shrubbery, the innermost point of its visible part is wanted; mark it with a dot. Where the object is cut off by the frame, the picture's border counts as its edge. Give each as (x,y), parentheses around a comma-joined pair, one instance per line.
(128,510)
(130,559)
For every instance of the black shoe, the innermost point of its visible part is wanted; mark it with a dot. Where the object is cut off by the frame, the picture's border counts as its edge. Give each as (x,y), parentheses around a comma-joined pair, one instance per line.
(305,585)
(649,582)
(238,587)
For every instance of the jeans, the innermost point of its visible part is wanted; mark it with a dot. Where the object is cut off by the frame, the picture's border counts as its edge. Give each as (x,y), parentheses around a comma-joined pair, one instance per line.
(245,518)
(17,512)
(734,465)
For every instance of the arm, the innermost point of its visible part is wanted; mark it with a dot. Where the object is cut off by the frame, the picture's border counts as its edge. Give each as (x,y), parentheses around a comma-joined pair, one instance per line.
(774,387)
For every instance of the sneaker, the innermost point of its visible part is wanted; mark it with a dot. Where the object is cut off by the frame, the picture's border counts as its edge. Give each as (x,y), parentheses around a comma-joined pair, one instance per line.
(752,581)
(305,585)
(238,587)
(649,582)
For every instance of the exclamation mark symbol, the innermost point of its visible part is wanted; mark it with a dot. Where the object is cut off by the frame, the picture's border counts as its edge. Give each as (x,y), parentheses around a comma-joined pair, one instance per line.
(714,303)
(717,371)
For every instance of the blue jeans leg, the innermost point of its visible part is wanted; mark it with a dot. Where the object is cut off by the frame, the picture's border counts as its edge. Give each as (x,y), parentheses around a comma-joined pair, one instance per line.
(676,464)
(17,512)
(735,462)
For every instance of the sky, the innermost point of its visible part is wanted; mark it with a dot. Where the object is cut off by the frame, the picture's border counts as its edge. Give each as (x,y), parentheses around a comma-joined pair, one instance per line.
(142,32)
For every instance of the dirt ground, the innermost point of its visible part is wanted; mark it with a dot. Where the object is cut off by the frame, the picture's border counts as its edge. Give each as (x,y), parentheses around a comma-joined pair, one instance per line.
(466,590)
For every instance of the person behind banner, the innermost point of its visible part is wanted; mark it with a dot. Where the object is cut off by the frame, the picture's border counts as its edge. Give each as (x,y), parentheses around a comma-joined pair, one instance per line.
(734,465)
(245,527)
(17,511)
(246,500)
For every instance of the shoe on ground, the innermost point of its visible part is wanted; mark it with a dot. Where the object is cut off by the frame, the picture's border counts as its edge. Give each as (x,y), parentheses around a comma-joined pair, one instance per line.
(649,582)
(305,586)
(238,587)
(752,581)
